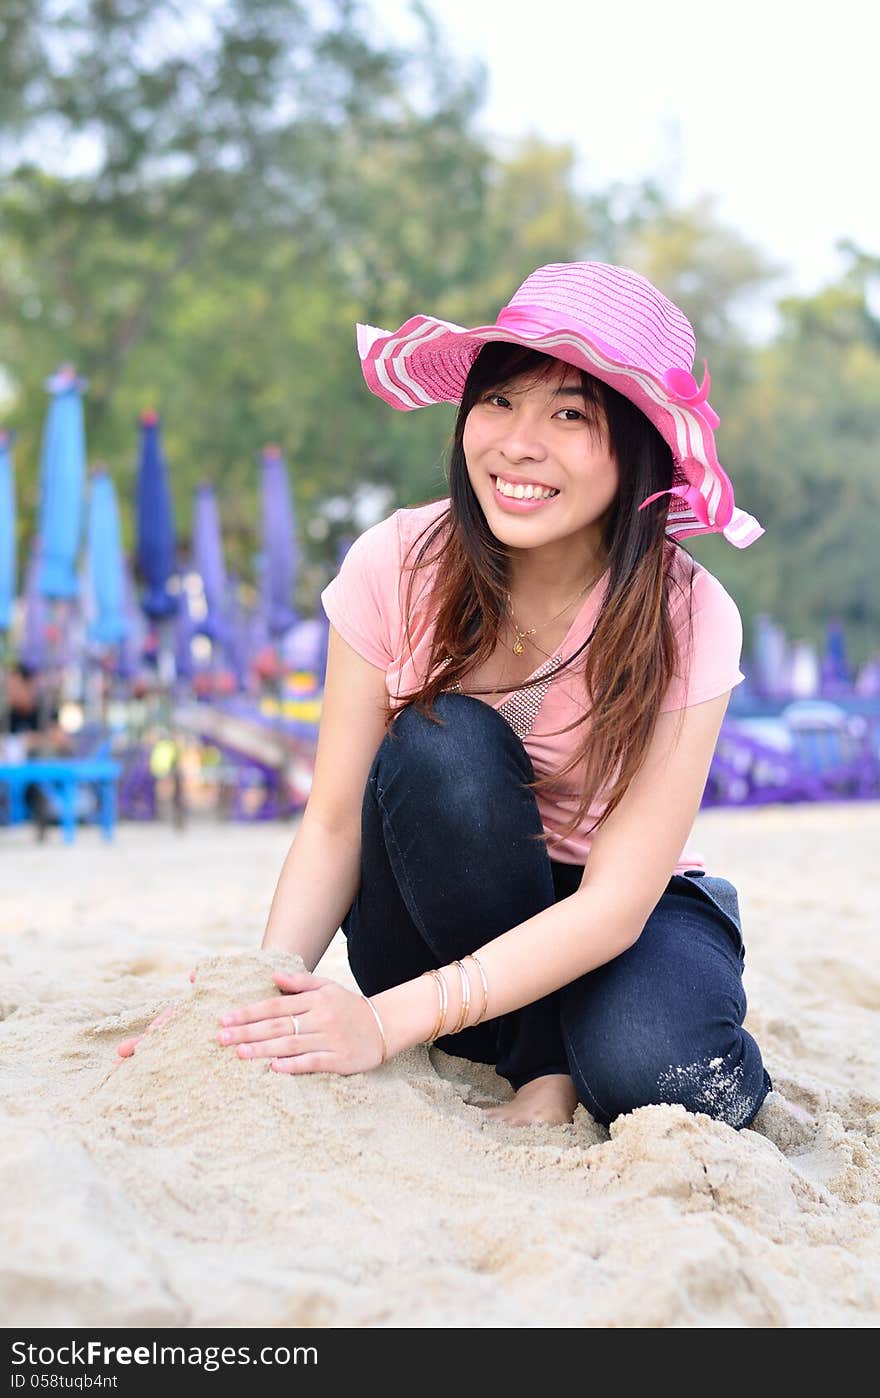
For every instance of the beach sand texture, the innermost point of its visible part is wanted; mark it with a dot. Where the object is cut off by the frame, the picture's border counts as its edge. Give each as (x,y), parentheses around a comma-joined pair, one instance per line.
(188,1187)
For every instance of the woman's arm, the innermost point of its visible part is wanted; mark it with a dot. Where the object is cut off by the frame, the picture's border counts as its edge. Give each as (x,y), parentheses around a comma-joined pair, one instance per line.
(630,864)
(316,887)
(321,874)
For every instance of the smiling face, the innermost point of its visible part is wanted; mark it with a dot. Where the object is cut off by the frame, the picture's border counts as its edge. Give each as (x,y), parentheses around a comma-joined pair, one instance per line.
(533,432)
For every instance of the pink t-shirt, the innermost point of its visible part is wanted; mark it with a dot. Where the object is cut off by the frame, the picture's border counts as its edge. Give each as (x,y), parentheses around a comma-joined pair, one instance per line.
(365,604)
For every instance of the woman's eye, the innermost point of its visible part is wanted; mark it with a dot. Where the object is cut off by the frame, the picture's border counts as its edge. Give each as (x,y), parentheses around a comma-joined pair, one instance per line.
(498,400)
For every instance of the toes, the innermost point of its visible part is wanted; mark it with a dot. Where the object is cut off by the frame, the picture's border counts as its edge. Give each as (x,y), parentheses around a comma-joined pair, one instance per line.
(499,1114)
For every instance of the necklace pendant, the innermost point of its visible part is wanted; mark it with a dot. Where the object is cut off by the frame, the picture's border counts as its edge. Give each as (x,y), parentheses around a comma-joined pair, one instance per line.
(518,648)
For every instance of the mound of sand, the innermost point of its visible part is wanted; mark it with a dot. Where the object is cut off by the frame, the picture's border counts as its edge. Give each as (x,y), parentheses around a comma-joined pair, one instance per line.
(187,1186)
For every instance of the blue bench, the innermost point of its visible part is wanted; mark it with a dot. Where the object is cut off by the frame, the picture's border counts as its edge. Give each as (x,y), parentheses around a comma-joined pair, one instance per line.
(62,777)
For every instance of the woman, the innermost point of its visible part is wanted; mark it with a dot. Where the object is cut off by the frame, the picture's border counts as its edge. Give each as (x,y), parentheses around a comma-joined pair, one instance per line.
(525,685)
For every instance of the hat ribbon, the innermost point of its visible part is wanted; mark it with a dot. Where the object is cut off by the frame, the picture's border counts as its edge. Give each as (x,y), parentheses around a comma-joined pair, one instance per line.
(534,321)
(690,493)
(684,390)
(698,503)
(527,320)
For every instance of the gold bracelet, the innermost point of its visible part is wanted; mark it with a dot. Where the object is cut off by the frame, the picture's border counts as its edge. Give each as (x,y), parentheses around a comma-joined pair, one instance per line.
(443,1000)
(483,978)
(436,1030)
(465,998)
(381,1030)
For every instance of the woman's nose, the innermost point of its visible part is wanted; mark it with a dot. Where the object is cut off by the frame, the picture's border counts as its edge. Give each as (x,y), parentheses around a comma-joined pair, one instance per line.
(521,440)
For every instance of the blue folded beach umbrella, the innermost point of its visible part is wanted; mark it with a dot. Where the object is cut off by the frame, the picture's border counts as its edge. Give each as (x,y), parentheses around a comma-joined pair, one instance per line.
(207,545)
(7,530)
(836,669)
(280,556)
(770,654)
(156,545)
(108,624)
(62,478)
(33,648)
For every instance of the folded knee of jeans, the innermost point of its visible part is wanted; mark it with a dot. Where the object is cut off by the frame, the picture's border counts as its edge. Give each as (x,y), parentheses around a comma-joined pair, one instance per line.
(454,767)
(724,1085)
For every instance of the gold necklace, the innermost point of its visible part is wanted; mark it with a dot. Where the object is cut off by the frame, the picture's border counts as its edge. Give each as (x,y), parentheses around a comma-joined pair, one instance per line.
(522,635)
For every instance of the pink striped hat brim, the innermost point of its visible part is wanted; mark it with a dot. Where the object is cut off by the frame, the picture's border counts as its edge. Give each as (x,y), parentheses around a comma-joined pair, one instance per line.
(427,361)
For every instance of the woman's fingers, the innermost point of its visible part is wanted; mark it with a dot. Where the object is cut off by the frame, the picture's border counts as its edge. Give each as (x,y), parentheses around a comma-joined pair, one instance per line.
(268,1009)
(299,980)
(279,1027)
(161,1018)
(297,988)
(320,1062)
(249,1014)
(127,1046)
(288,1046)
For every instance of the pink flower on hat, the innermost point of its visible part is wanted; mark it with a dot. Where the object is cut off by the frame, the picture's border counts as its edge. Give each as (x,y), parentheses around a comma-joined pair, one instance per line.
(684,390)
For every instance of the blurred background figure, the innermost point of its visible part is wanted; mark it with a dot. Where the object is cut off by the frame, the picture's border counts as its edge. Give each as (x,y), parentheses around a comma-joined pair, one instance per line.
(23,708)
(33,731)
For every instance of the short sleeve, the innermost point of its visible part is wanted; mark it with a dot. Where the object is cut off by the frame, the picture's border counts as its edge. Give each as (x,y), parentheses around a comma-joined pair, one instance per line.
(716,648)
(362,600)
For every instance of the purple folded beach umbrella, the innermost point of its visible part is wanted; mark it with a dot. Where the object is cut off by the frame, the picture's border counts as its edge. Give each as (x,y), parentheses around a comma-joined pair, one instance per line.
(7,530)
(33,650)
(238,645)
(129,655)
(836,670)
(280,555)
(156,546)
(7,561)
(207,544)
(771,657)
(184,631)
(62,478)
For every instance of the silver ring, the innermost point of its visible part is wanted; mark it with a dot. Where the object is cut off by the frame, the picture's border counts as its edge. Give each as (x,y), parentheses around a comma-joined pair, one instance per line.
(295,1022)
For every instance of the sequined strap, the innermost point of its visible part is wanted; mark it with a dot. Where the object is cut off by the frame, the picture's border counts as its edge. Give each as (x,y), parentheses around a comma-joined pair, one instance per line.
(522,706)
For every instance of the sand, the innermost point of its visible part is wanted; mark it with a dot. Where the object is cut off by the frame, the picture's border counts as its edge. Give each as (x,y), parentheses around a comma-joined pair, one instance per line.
(188,1187)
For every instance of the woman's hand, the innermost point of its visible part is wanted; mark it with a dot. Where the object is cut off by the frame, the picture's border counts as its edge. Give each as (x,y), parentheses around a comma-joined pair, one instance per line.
(315,1026)
(127,1047)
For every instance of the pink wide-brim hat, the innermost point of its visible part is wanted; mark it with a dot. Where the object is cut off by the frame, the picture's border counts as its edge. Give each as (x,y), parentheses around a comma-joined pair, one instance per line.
(615,324)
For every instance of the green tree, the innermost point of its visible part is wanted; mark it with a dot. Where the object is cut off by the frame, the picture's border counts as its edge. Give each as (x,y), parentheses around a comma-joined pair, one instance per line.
(805,445)
(203,263)
(250,182)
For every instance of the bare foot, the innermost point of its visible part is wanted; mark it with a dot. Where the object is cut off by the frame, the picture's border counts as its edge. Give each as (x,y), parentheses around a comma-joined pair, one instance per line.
(550,1099)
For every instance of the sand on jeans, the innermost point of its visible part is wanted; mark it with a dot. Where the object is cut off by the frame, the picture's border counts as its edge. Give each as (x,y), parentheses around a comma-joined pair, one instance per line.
(189,1187)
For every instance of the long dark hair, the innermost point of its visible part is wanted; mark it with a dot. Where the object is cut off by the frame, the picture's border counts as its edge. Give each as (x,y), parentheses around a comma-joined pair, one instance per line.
(630,657)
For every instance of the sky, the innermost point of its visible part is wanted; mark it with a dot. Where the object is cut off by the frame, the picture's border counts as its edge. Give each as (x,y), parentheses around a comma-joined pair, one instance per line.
(769,107)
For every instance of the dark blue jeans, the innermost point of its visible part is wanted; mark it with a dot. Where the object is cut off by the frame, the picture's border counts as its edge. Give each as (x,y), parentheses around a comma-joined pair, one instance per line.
(447,865)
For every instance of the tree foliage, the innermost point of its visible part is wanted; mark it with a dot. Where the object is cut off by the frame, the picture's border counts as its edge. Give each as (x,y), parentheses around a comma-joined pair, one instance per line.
(199,202)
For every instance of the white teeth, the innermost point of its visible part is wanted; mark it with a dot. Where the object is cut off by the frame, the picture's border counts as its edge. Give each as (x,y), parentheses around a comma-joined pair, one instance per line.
(524,492)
